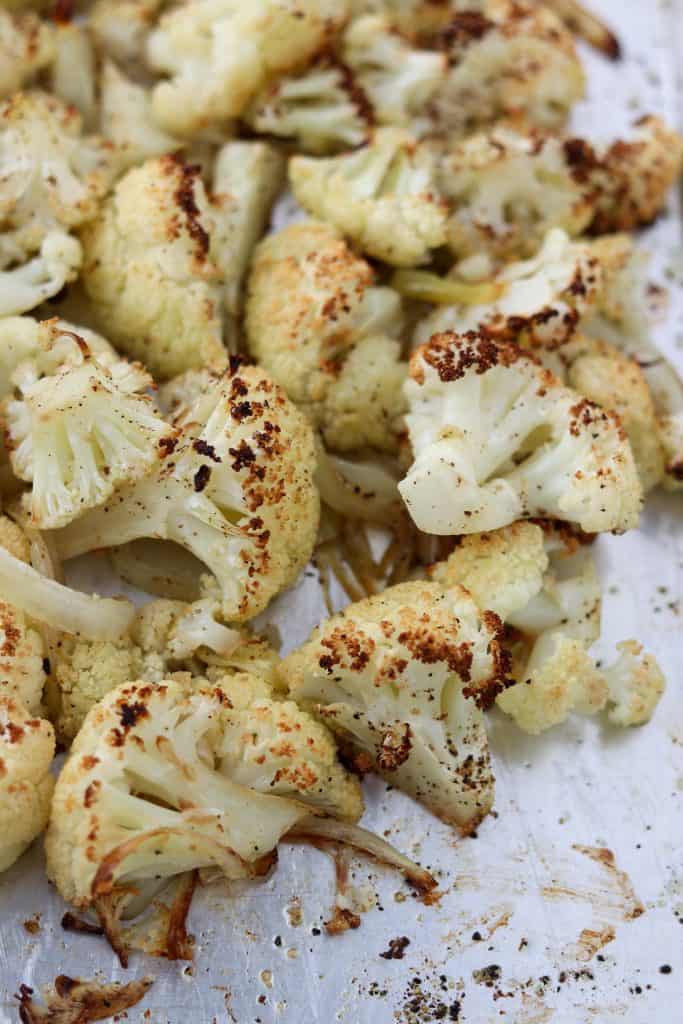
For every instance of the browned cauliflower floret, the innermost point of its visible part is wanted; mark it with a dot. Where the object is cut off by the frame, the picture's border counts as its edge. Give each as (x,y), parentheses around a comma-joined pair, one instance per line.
(26,47)
(310,303)
(27,746)
(148,269)
(401,678)
(635,685)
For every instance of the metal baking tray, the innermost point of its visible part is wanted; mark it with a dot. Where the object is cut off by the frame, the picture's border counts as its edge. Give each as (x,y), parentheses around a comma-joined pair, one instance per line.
(587,830)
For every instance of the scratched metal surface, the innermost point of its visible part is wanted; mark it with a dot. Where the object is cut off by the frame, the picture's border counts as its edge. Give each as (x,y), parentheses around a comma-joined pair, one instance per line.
(518,896)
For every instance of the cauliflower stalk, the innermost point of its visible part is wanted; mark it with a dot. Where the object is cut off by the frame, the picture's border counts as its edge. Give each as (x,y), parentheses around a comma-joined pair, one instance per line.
(401,678)
(27,746)
(311,304)
(175,776)
(149,272)
(495,438)
(79,427)
(236,491)
(383,197)
(220,53)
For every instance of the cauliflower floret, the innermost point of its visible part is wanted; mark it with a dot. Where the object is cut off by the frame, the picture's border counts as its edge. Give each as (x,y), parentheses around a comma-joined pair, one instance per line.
(383,196)
(220,53)
(120,28)
(399,80)
(631,180)
(412,16)
(126,119)
(310,301)
(502,570)
(508,190)
(27,286)
(247,177)
(603,374)
(27,746)
(22,657)
(162,779)
(26,47)
(519,63)
(625,320)
(51,175)
(148,269)
(539,301)
(237,492)
(559,677)
(79,427)
(73,71)
(401,678)
(323,110)
(635,685)
(495,438)
(364,405)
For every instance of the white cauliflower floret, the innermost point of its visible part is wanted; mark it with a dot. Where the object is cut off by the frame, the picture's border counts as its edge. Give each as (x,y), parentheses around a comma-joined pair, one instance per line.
(27,286)
(27,746)
(635,685)
(26,47)
(365,405)
(126,119)
(383,196)
(496,438)
(400,678)
(520,63)
(323,110)
(237,492)
(603,374)
(22,339)
(536,301)
(507,190)
(310,302)
(162,779)
(247,177)
(148,270)
(120,27)
(73,71)
(399,80)
(51,175)
(220,53)
(22,658)
(79,427)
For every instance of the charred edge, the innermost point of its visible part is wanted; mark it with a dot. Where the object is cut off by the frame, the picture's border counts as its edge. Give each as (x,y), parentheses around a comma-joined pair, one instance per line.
(204,448)
(185,198)
(179,945)
(351,86)
(71,923)
(81,1001)
(342,920)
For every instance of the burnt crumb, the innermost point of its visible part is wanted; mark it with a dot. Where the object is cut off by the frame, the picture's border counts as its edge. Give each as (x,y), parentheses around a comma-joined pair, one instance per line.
(488,975)
(665,969)
(477,937)
(342,920)
(204,448)
(71,923)
(277,941)
(80,1001)
(201,478)
(167,445)
(243,456)
(422,1005)
(397,948)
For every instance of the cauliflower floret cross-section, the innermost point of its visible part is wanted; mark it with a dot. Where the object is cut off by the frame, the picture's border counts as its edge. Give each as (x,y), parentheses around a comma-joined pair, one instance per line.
(236,491)
(27,746)
(220,53)
(496,438)
(401,678)
(171,777)
(383,196)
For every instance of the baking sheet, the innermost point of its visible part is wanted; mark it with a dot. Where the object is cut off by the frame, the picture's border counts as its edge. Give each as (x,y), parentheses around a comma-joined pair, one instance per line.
(529,899)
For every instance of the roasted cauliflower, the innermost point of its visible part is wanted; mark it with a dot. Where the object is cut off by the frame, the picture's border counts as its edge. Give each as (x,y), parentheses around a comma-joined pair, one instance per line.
(126,118)
(322,110)
(635,685)
(165,778)
(22,657)
(236,491)
(383,197)
(310,303)
(401,678)
(27,746)
(79,426)
(148,269)
(495,438)
(218,54)
(26,47)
